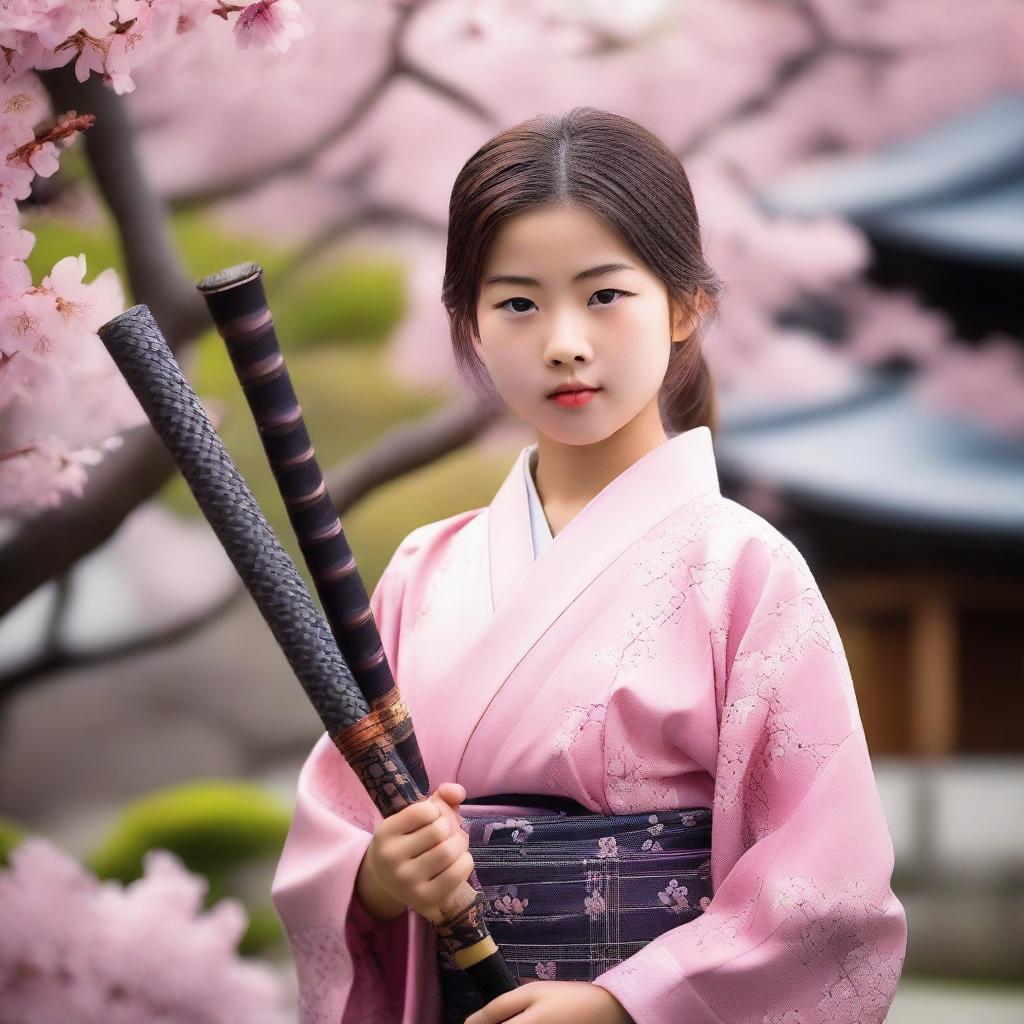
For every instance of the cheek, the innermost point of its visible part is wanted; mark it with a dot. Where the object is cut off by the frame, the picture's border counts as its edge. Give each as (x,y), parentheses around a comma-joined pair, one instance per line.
(640,365)
(505,370)
(501,352)
(509,376)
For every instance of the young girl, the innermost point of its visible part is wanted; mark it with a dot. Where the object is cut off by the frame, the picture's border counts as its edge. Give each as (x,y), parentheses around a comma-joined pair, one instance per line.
(634,679)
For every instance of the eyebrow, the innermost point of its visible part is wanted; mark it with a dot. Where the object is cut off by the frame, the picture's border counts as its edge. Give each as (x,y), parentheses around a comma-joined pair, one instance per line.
(604,268)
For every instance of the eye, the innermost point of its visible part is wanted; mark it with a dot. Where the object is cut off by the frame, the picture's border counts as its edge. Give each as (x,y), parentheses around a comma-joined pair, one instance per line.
(602,291)
(518,298)
(611,291)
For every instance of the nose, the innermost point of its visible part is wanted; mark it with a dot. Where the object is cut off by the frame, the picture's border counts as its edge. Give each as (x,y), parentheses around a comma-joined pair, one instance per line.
(566,343)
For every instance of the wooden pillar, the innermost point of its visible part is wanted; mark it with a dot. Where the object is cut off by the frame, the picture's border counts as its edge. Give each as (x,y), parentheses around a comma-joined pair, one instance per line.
(933,673)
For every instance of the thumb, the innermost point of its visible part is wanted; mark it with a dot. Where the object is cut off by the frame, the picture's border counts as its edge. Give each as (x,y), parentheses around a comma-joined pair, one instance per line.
(453,792)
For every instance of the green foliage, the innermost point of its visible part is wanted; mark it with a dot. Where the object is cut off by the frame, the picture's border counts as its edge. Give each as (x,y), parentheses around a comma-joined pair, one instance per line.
(205,248)
(348,400)
(58,238)
(464,480)
(217,828)
(210,825)
(358,303)
(264,930)
(10,836)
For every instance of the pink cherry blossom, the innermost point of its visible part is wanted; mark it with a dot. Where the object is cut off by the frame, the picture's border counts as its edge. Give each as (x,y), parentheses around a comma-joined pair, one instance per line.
(272,24)
(55,375)
(62,400)
(546,970)
(747,128)
(73,948)
(984,385)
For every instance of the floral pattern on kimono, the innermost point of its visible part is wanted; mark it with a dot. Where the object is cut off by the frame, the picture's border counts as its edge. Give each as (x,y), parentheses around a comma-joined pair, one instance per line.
(668,649)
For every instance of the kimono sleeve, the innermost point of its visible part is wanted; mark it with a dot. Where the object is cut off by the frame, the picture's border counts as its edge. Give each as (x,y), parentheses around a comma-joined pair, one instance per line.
(350,967)
(803,926)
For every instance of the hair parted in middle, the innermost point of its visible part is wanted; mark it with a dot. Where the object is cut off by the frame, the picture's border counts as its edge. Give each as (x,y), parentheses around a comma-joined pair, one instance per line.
(623,173)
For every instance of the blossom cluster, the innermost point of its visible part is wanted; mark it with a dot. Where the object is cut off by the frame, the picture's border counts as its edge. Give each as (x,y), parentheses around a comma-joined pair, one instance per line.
(63,404)
(74,948)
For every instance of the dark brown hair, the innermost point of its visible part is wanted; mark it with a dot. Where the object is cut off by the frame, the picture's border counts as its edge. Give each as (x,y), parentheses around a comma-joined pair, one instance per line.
(626,175)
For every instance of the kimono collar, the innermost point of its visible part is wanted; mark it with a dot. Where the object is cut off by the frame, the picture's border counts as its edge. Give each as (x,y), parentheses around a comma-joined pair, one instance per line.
(637,499)
(539,527)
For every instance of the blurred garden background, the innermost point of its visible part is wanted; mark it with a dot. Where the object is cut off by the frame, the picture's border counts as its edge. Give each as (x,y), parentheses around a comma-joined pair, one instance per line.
(859,171)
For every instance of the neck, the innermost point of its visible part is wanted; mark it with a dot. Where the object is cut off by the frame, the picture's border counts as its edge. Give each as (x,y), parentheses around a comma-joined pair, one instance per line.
(568,476)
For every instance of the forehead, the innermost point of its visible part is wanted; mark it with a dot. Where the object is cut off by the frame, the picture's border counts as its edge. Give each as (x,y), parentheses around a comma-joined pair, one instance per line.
(554,244)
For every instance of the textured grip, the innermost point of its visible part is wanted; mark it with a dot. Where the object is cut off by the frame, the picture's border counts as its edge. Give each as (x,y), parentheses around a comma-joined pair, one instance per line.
(143,357)
(137,346)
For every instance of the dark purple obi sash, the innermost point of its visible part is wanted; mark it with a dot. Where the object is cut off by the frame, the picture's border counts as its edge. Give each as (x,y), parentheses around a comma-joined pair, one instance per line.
(571,893)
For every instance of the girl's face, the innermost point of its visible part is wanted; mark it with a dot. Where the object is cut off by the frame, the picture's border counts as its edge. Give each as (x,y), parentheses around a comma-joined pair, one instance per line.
(562,299)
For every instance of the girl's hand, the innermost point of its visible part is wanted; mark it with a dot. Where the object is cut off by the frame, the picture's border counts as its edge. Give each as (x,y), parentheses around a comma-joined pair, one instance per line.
(420,855)
(553,1002)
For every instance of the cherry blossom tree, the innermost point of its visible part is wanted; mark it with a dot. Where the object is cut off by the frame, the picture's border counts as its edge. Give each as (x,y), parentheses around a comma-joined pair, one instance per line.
(743,91)
(62,401)
(63,405)
(49,349)
(367,129)
(75,948)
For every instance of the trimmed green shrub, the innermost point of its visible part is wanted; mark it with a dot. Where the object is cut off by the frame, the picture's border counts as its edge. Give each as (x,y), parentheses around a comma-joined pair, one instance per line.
(217,828)
(10,836)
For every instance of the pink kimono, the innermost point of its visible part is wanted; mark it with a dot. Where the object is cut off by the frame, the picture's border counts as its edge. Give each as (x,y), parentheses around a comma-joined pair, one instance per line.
(669,648)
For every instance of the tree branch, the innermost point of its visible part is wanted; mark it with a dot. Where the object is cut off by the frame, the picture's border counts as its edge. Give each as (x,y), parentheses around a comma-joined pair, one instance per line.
(335,231)
(396,65)
(59,612)
(56,658)
(155,273)
(408,447)
(48,545)
(787,72)
(51,543)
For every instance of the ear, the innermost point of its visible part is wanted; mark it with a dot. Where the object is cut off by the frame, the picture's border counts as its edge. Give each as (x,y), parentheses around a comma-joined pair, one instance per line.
(682,324)
(684,321)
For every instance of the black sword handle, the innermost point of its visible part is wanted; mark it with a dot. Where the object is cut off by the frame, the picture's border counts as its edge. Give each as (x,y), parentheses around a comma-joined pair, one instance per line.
(137,346)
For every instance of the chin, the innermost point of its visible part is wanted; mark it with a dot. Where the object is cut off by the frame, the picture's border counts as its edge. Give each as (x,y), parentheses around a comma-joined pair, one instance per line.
(583,435)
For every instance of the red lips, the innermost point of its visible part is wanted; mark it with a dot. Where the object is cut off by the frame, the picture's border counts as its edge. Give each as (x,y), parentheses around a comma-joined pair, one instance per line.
(574,386)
